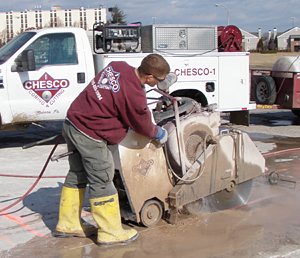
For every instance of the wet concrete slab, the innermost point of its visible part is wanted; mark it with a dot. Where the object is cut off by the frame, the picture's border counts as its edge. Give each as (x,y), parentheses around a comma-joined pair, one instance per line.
(268,226)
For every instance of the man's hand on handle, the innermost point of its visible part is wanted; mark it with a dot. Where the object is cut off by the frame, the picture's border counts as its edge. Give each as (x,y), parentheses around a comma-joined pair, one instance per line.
(162,135)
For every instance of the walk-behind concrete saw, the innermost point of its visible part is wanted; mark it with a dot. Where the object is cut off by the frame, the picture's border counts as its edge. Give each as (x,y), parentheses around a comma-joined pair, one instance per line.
(199,164)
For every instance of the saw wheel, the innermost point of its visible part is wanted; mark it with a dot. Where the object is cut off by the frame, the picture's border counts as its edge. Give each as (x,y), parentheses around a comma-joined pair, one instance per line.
(232,196)
(151,213)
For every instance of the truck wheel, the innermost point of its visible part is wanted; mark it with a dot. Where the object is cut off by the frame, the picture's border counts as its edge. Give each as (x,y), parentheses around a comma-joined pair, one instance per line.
(265,90)
(296,112)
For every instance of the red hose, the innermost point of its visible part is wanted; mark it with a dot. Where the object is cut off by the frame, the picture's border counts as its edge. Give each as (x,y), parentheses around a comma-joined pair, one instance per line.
(38,179)
(7,175)
(279,152)
(50,155)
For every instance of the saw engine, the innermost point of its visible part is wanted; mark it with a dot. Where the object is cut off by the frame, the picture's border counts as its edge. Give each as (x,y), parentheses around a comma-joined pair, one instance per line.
(198,164)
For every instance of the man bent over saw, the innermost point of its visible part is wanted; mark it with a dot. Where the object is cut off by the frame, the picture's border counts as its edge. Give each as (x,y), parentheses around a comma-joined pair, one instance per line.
(101,115)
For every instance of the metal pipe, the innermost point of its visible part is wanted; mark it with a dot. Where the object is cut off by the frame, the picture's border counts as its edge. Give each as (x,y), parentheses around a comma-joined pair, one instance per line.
(179,137)
(32,144)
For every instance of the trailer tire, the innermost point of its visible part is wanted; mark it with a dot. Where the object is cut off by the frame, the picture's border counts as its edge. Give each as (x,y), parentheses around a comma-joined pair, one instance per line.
(265,90)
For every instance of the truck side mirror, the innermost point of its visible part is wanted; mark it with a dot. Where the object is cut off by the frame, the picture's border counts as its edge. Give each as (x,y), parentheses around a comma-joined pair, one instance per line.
(24,62)
(28,61)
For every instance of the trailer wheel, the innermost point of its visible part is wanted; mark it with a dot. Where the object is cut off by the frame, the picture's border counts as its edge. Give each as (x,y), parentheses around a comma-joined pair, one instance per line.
(265,90)
(151,213)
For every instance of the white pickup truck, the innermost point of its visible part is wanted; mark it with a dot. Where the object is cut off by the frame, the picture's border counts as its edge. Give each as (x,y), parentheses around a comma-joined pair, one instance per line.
(42,71)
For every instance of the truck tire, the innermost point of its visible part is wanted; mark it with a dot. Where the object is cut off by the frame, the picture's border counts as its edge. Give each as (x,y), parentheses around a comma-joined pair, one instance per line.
(265,90)
(296,112)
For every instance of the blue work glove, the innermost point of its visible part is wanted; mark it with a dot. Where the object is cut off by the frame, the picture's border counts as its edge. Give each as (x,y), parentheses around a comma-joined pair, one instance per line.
(162,135)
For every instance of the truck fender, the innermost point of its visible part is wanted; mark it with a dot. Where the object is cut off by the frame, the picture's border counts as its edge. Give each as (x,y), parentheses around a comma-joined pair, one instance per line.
(193,94)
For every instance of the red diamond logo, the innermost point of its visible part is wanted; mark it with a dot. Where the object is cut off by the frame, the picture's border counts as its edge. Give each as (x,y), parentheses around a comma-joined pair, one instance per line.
(46,87)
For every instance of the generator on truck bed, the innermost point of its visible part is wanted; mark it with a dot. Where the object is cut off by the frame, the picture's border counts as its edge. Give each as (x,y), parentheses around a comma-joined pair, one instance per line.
(43,70)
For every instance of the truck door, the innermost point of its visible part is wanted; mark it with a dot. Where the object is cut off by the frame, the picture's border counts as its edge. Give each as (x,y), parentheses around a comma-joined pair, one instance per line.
(46,93)
(5,112)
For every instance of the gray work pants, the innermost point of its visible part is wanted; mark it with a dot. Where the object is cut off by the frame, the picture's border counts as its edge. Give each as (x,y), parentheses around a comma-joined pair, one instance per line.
(91,164)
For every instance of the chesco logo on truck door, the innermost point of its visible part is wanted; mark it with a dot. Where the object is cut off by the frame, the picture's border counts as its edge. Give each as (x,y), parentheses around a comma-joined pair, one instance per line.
(194,71)
(46,90)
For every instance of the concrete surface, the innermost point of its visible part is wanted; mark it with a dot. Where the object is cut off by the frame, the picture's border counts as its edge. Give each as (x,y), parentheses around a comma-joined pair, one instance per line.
(268,226)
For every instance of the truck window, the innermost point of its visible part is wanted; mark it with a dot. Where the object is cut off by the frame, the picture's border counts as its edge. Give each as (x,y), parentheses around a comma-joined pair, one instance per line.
(12,46)
(54,49)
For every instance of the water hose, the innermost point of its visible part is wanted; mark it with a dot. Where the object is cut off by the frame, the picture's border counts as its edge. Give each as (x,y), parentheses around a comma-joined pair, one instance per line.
(51,154)
(38,178)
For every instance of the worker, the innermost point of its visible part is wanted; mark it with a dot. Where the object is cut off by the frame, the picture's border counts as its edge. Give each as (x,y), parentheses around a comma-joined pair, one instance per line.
(101,115)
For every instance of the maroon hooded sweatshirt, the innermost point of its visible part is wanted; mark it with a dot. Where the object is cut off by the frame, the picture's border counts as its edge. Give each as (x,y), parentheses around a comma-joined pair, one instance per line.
(111,103)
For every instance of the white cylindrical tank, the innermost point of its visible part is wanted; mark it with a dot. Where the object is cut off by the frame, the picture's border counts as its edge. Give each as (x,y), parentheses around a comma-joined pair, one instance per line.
(286,64)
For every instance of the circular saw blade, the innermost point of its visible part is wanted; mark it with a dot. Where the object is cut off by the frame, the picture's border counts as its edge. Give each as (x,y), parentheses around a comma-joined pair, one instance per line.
(225,199)
(194,207)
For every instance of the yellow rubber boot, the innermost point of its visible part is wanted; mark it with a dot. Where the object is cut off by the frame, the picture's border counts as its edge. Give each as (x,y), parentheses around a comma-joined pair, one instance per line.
(69,222)
(106,212)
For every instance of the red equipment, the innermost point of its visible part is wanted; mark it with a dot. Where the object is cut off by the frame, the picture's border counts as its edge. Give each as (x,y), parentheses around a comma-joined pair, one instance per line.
(229,39)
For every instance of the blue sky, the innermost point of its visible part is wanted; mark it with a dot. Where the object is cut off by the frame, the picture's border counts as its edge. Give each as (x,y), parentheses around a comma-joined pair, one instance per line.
(247,15)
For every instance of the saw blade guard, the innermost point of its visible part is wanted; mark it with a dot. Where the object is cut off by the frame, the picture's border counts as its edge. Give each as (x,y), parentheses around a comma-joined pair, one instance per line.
(197,130)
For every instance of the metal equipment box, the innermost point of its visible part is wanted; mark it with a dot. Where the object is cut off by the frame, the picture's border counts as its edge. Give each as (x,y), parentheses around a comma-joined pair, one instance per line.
(168,38)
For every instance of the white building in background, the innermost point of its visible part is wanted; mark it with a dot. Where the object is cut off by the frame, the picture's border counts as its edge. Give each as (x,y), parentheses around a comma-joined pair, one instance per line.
(289,40)
(16,22)
(249,41)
